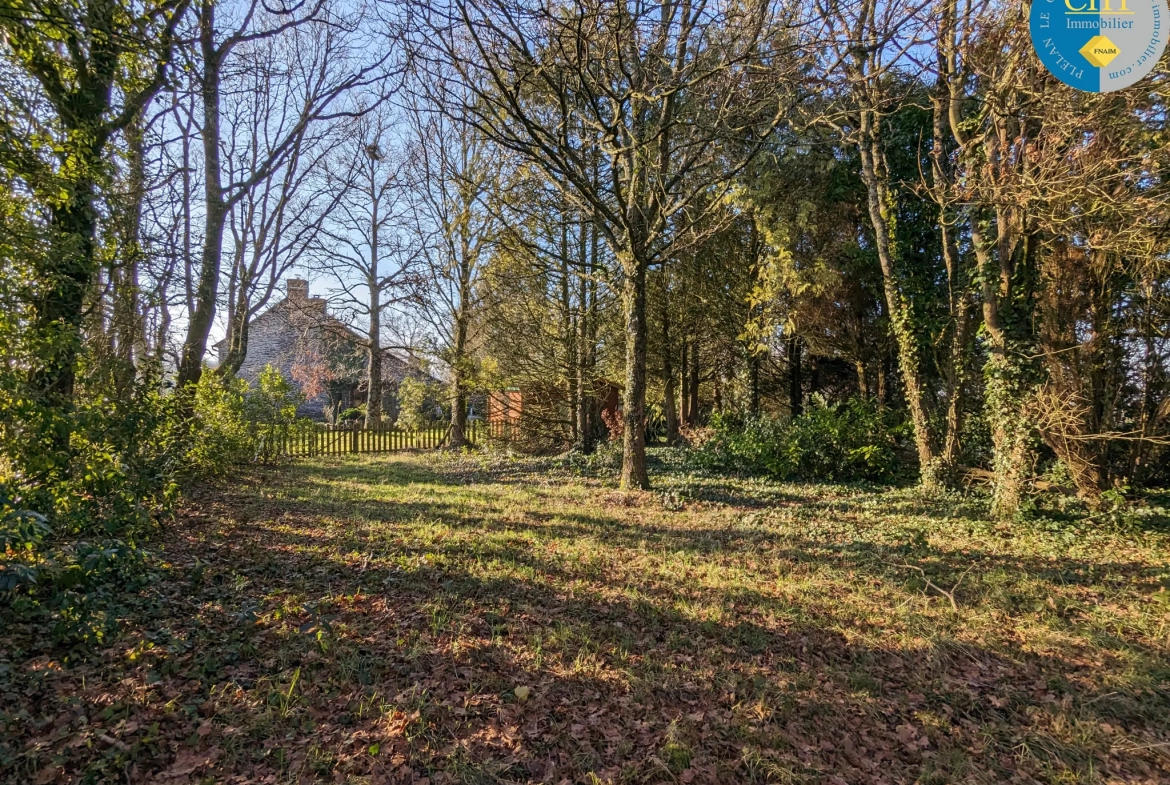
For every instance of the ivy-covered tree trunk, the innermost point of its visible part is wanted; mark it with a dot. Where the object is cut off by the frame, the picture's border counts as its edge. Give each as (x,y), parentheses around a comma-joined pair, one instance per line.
(1011,374)
(77,70)
(880,201)
(1007,389)
(64,276)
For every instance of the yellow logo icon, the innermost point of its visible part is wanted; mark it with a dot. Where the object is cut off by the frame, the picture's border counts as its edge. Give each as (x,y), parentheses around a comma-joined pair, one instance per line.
(1100,51)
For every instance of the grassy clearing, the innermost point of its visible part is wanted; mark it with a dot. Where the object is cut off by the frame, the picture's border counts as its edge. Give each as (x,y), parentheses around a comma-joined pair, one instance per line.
(370,620)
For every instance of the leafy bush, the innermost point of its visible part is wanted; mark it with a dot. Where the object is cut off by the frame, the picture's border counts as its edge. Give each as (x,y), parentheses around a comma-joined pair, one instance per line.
(849,441)
(270,409)
(73,536)
(353,414)
(416,404)
(71,540)
(274,401)
(235,424)
(222,436)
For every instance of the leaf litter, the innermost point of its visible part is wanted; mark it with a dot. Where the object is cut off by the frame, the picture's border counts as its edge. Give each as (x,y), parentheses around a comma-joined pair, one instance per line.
(416,619)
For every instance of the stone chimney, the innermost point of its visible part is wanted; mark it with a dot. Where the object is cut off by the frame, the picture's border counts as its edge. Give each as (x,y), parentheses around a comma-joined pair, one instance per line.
(298,290)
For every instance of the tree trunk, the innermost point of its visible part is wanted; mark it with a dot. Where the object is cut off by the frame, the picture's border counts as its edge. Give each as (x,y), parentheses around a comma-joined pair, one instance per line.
(668,403)
(1006,386)
(693,406)
(881,212)
(634,473)
(459,384)
(128,324)
(795,379)
(237,331)
(374,338)
(459,355)
(955,366)
(458,411)
(67,272)
(374,358)
(584,427)
(684,399)
(754,382)
(568,330)
(215,210)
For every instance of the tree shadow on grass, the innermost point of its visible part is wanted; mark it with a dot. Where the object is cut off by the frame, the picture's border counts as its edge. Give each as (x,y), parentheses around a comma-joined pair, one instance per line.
(313,638)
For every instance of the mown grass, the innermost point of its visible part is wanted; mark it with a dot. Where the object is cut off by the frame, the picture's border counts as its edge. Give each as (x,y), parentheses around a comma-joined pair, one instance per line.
(369,620)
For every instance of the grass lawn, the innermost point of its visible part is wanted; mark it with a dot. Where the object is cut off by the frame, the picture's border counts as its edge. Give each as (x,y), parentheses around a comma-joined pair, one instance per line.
(438,620)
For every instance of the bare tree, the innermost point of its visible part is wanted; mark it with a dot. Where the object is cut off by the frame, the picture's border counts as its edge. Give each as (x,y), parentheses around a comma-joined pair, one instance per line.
(455,172)
(365,243)
(674,98)
(333,64)
(274,223)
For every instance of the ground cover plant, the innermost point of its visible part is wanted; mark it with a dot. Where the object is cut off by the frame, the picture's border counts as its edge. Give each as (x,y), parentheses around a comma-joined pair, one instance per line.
(486,619)
(854,440)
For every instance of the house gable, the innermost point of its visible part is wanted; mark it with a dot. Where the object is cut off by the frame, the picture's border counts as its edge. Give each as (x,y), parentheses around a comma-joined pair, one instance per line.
(280,336)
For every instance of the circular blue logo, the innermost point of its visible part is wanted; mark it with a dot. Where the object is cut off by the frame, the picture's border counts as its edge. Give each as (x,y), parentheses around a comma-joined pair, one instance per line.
(1099,45)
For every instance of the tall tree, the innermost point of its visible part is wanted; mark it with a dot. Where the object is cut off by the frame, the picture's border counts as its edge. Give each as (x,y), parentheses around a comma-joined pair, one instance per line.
(873,43)
(334,65)
(455,172)
(83,71)
(674,97)
(368,244)
(273,225)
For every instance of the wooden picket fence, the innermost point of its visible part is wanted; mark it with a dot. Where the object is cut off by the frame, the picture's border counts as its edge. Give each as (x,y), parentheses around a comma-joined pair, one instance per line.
(311,439)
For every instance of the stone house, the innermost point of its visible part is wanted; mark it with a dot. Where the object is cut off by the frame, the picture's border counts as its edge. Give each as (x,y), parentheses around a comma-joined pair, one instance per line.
(319,355)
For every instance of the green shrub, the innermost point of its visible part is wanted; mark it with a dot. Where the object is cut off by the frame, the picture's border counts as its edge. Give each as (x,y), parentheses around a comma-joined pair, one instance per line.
(71,540)
(73,536)
(352,414)
(274,401)
(844,442)
(271,411)
(222,436)
(415,404)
